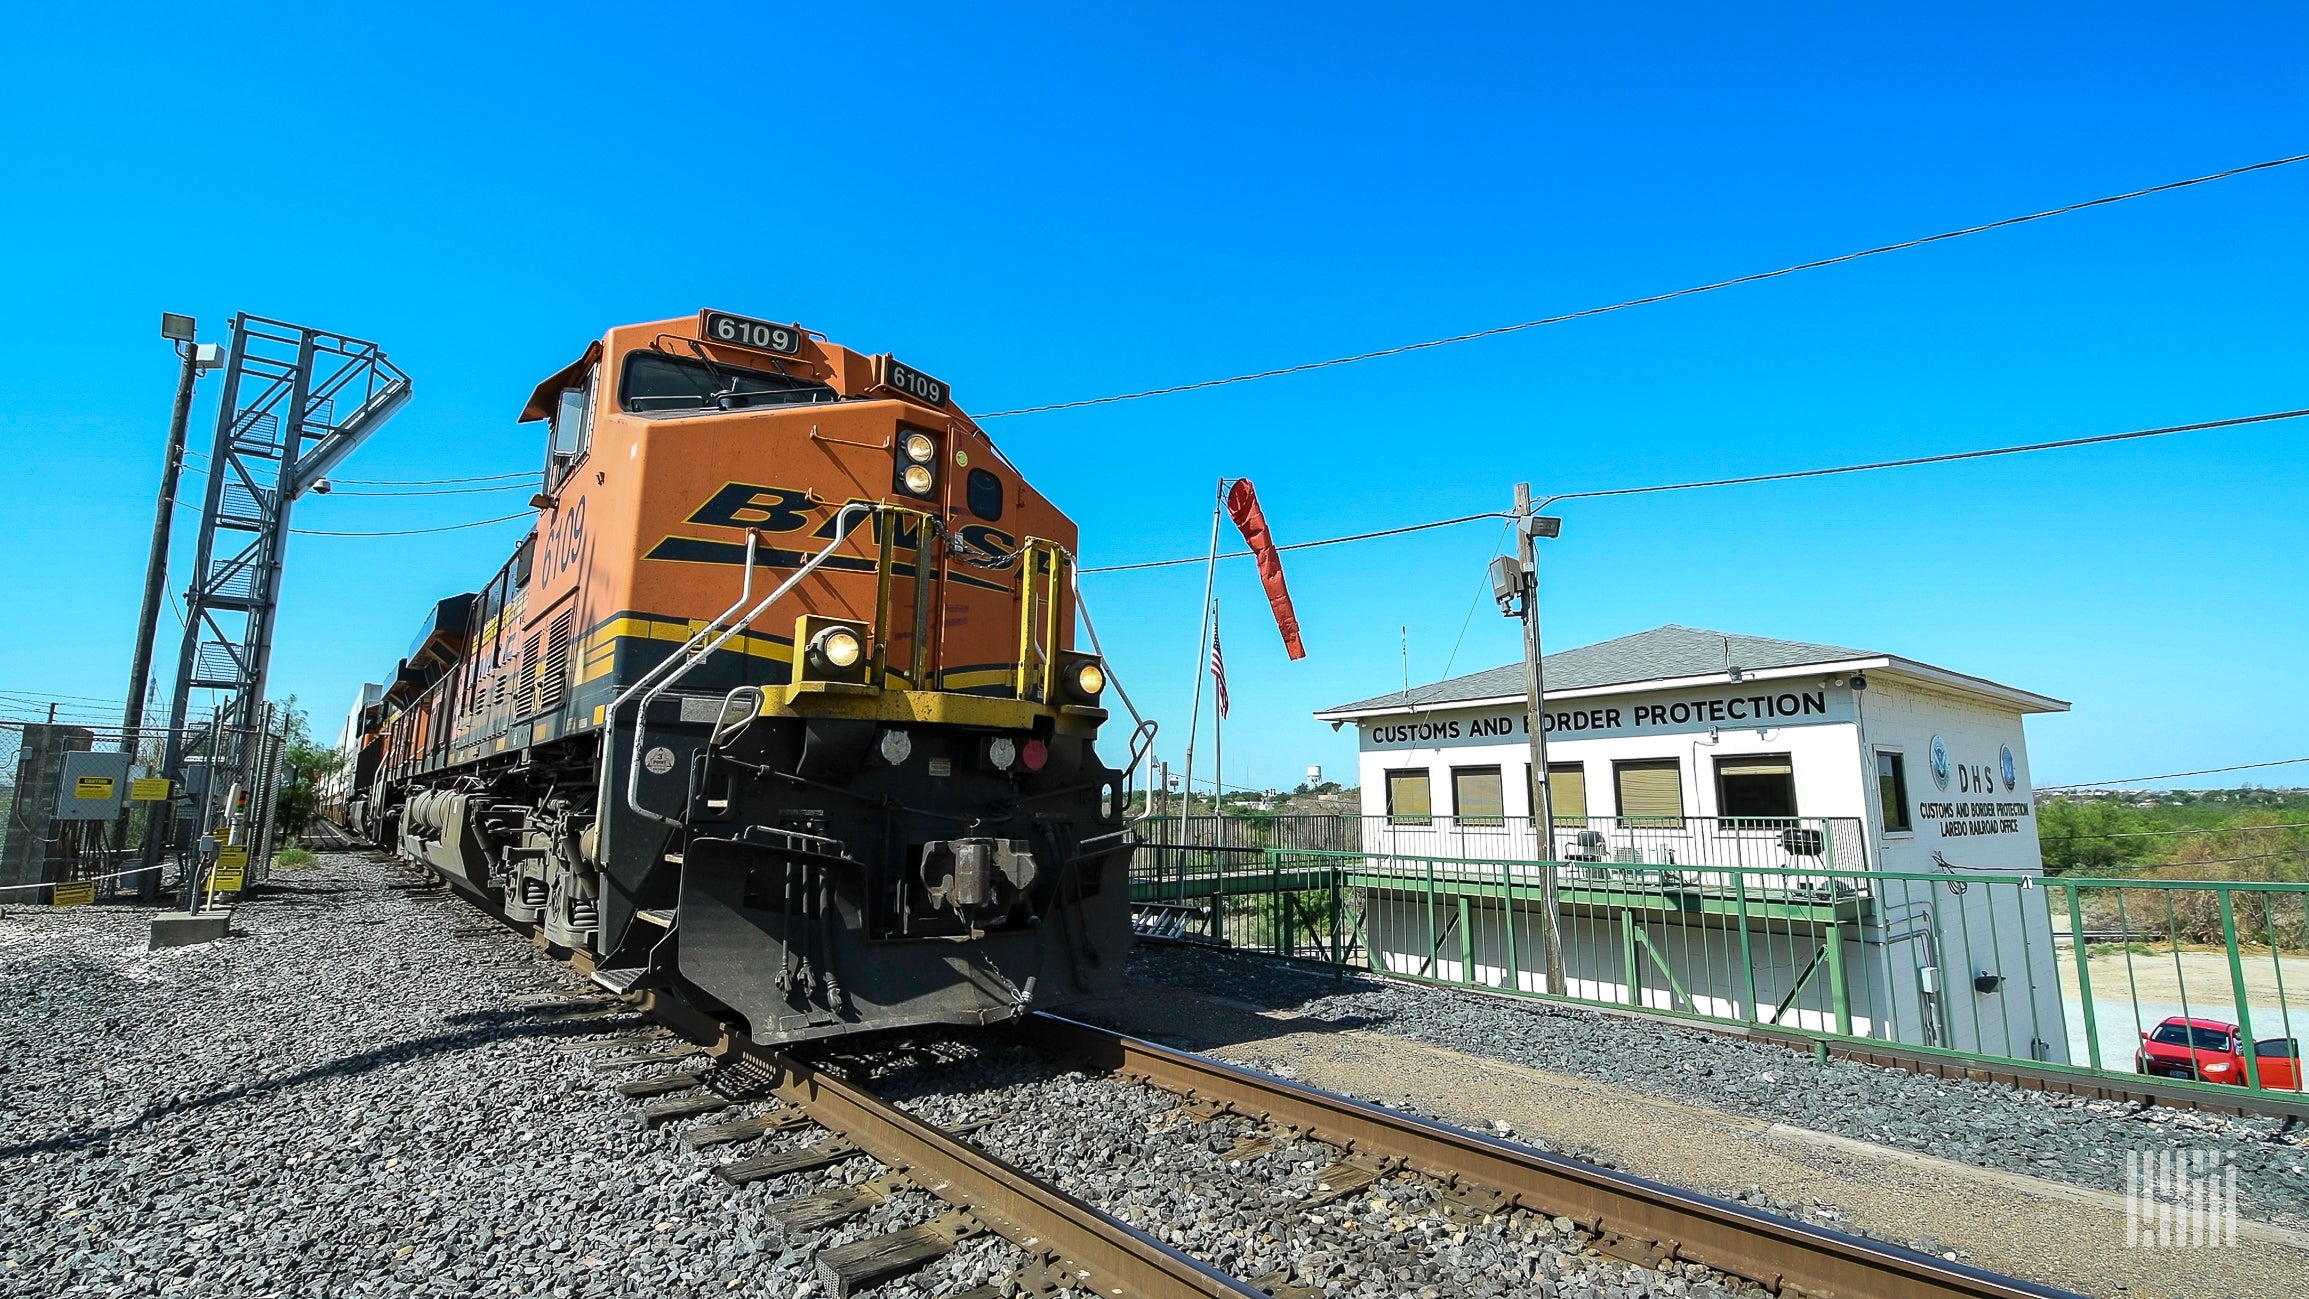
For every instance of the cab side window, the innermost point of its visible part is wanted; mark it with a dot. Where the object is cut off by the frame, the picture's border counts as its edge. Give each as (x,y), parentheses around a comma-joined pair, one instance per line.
(572,431)
(985,495)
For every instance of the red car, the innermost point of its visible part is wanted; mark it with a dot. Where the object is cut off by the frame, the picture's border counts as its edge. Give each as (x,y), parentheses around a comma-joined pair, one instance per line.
(2206,1050)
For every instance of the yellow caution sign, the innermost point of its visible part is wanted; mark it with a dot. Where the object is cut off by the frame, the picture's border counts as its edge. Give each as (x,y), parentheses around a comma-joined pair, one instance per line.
(94,789)
(228,879)
(75,895)
(148,789)
(234,856)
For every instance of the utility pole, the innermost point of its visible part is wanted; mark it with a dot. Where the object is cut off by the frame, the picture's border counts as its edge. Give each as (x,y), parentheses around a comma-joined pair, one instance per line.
(1516,587)
(181,331)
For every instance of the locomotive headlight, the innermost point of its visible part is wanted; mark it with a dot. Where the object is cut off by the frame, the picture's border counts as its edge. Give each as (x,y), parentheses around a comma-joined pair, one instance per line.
(1090,678)
(918,448)
(838,648)
(917,479)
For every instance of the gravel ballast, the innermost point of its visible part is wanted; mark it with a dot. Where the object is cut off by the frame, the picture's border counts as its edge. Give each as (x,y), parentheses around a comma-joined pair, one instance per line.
(1249,1200)
(345,1098)
(2042,1134)
(373,1089)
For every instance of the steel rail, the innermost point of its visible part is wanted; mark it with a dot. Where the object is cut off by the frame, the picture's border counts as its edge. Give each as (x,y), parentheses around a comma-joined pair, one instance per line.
(1640,1220)
(1038,1217)
(1105,1255)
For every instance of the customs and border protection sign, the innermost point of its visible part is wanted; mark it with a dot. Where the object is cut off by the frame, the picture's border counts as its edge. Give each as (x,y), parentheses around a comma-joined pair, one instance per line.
(74,895)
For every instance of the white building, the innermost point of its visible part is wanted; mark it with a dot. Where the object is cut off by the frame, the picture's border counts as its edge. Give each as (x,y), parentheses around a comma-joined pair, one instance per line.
(1709,791)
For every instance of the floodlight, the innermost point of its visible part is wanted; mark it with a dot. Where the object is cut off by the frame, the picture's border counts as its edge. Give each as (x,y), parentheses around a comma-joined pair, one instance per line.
(176,328)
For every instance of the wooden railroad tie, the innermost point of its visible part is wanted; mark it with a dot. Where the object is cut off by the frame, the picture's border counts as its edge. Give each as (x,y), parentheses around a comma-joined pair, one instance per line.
(824,1154)
(863,1264)
(667,1056)
(1279,1285)
(807,1212)
(1343,1179)
(1475,1203)
(681,1080)
(746,1129)
(618,1043)
(683,1107)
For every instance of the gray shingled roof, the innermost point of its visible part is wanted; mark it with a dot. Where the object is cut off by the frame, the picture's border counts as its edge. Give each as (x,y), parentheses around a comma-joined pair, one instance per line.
(1663,653)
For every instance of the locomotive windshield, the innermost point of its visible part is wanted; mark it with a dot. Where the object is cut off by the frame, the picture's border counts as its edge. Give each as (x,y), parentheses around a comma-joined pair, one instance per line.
(656,384)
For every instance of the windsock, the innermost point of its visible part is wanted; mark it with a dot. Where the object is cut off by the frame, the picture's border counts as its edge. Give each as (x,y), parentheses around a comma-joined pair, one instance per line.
(1243,508)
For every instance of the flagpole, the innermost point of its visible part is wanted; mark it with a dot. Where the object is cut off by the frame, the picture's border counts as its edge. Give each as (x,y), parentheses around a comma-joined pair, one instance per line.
(1218,732)
(1202,665)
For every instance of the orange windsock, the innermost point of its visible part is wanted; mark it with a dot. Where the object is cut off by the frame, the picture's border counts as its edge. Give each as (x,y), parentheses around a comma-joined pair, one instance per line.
(1243,508)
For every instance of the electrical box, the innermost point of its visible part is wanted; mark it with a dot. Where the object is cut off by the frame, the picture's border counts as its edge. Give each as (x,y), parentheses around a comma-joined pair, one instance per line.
(94,786)
(1928,978)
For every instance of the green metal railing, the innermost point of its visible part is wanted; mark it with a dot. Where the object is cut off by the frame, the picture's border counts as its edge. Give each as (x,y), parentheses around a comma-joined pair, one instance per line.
(1997,965)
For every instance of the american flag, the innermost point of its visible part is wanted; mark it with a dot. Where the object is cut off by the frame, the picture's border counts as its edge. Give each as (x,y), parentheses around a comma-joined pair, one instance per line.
(1218,664)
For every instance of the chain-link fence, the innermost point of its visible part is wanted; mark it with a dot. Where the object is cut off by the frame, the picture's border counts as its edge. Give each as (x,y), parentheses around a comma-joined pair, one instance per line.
(87,811)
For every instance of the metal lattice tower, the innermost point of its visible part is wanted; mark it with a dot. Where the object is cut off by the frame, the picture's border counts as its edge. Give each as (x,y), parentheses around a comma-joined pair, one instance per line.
(296,402)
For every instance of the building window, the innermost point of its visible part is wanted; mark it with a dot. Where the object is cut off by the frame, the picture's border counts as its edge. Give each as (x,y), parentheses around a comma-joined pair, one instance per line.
(1650,793)
(1567,789)
(1757,787)
(1477,797)
(1408,800)
(1892,792)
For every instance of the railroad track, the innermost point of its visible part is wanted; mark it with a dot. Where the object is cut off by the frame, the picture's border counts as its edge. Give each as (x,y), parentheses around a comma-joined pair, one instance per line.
(1072,1245)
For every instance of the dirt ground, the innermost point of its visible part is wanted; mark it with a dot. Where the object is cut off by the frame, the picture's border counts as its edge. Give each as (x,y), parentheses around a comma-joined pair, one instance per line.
(2270,981)
(2069,1237)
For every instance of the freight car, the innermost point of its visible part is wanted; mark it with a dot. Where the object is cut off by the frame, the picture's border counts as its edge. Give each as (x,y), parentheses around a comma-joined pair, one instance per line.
(778,710)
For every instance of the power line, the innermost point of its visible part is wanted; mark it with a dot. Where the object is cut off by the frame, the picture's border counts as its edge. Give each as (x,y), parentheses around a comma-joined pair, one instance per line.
(46,697)
(1947,458)
(1654,298)
(192,455)
(435,482)
(1305,545)
(2217,861)
(2057,445)
(2170,775)
(411,532)
(2144,834)
(525,485)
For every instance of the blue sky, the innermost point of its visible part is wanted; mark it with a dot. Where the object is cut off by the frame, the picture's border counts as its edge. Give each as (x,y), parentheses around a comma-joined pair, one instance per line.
(1044,204)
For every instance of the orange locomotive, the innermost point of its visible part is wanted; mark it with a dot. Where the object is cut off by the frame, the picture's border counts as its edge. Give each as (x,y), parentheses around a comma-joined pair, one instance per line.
(778,709)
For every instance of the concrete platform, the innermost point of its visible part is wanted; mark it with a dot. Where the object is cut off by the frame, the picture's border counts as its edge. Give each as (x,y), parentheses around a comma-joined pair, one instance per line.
(181,930)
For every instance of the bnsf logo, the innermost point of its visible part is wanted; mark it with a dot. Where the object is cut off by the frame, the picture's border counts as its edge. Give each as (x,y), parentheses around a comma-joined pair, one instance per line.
(778,510)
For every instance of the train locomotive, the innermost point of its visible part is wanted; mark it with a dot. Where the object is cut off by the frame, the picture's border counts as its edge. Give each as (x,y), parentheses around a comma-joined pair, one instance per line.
(778,710)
